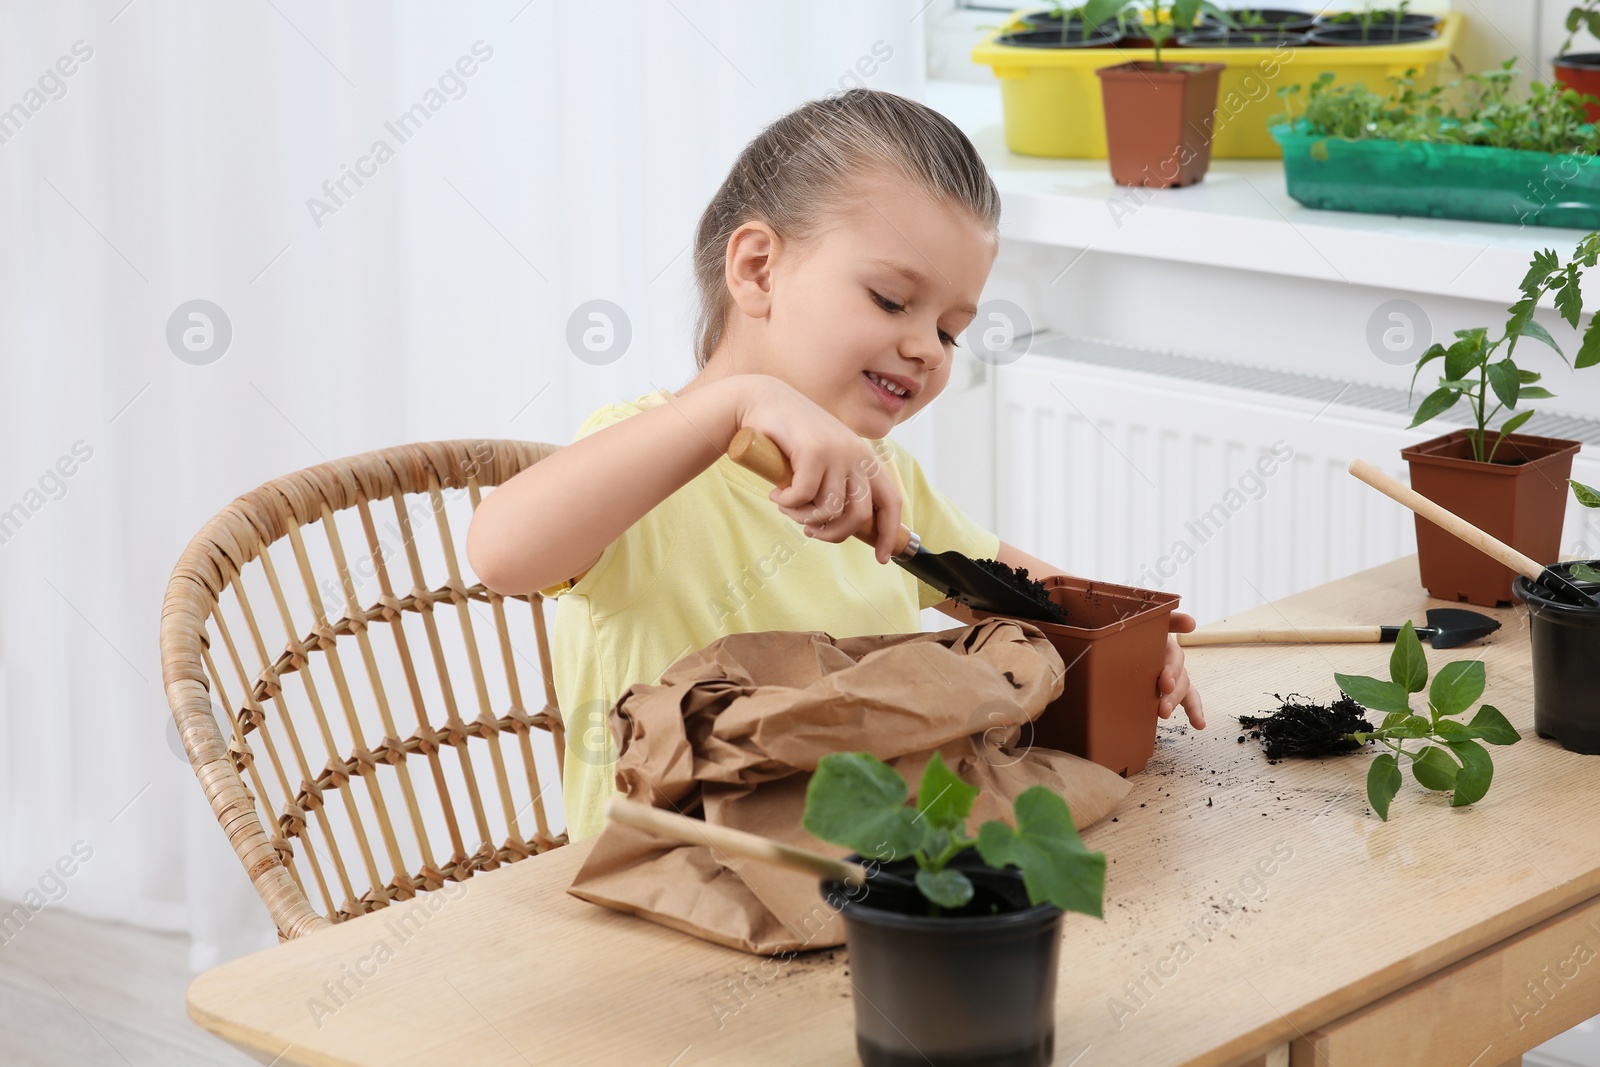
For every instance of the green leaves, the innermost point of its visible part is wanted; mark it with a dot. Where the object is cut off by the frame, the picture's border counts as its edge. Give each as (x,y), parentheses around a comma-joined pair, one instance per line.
(1408,667)
(1588,497)
(1054,862)
(1454,761)
(1503,379)
(1435,404)
(1544,264)
(1456,686)
(858,801)
(1377,695)
(943,798)
(1383,782)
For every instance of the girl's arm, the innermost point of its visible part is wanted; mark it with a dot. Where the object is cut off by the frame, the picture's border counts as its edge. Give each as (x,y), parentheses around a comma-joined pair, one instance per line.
(553,520)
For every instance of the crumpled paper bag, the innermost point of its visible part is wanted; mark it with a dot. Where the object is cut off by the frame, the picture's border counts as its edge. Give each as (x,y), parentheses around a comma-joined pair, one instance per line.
(731,733)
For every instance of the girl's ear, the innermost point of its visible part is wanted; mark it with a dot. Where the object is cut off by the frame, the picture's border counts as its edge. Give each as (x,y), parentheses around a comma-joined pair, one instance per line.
(751,251)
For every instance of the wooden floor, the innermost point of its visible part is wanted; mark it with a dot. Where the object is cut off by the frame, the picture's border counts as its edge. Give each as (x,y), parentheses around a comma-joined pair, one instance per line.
(83,992)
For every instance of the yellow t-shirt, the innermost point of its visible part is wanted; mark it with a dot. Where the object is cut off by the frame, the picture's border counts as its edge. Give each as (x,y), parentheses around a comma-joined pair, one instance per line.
(717,557)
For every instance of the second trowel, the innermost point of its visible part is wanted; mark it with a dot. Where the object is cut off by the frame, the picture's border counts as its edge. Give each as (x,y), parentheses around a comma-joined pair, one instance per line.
(1447,628)
(952,573)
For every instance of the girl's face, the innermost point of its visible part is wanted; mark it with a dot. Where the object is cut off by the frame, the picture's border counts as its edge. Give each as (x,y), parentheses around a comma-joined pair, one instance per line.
(882,292)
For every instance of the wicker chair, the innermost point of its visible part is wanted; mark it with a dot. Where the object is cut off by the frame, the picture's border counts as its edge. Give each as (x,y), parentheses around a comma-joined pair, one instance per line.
(313,779)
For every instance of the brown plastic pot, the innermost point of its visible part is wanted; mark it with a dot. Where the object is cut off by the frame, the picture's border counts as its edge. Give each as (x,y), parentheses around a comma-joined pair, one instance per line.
(1521,498)
(1581,71)
(1114,649)
(1158,123)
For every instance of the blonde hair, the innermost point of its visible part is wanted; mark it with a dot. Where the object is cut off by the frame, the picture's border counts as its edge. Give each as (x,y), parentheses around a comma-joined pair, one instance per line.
(798,170)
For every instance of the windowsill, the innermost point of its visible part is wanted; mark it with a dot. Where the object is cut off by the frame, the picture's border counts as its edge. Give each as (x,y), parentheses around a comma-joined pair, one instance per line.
(1239,217)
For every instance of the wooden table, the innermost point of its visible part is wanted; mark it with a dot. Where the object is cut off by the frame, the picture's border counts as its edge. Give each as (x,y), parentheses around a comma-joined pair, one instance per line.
(1255,913)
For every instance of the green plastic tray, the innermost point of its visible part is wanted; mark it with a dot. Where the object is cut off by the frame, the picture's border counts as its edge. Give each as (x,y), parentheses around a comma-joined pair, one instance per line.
(1442,181)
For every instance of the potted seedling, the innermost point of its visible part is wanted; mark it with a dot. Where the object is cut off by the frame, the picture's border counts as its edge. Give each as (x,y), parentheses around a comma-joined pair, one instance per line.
(1566,652)
(1159,115)
(960,965)
(1511,485)
(1448,755)
(1283,19)
(1581,70)
(1477,148)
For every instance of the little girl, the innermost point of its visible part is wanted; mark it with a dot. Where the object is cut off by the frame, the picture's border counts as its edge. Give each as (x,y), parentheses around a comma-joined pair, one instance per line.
(836,266)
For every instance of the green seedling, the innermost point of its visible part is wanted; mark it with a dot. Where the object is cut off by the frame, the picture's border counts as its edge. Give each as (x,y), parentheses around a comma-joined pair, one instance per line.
(1472,372)
(856,800)
(1589,498)
(1449,757)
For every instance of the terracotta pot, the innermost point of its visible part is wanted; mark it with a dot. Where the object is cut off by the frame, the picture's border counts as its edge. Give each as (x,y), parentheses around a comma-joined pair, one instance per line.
(1114,649)
(1581,71)
(1521,498)
(1158,123)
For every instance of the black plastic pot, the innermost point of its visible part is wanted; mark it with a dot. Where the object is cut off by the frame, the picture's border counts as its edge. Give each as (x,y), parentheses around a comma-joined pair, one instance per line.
(1566,665)
(1097,37)
(970,987)
(1273,18)
(1264,38)
(1373,38)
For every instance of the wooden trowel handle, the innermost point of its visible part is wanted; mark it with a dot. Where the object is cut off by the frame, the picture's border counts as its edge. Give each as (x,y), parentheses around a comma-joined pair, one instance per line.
(1306,635)
(755,451)
(1447,520)
(734,842)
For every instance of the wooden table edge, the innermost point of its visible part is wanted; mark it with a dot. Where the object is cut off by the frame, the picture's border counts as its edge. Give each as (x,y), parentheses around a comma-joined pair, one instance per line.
(251,1041)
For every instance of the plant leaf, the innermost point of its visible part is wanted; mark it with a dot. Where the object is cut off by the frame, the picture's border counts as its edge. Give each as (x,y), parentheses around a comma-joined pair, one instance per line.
(1589,351)
(1434,352)
(1538,333)
(856,800)
(1528,377)
(1534,392)
(1373,693)
(1408,667)
(1493,727)
(1463,357)
(1434,404)
(1457,686)
(1503,378)
(1435,769)
(1569,301)
(943,797)
(1584,573)
(1407,726)
(1477,771)
(1383,782)
(1543,265)
(1055,865)
(948,888)
(1587,496)
(1514,423)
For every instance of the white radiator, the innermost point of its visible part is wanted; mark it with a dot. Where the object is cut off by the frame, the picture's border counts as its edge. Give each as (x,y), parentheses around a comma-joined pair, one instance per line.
(1224,484)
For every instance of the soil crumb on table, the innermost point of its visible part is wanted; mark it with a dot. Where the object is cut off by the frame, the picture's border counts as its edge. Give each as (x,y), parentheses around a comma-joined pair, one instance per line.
(1018,579)
(1307,730)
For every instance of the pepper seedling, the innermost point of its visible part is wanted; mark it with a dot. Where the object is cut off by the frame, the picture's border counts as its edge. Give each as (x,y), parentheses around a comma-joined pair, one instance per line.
(856,800)
(1451,759)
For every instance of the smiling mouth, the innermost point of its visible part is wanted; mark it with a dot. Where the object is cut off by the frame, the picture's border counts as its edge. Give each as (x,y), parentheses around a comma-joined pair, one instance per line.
(885,393)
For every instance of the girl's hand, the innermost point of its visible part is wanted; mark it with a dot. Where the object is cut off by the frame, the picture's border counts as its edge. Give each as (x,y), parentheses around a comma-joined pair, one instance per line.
(1176,688)
(839,481)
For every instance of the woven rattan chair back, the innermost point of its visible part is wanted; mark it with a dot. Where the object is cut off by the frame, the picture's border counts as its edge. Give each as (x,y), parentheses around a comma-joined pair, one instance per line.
(351,703)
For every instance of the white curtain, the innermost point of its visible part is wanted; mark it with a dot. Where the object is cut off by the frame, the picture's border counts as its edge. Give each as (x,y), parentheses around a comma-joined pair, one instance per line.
(158,152)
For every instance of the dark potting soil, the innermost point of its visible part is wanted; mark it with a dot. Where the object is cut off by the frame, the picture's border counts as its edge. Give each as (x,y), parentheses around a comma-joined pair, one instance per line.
(993,892)
(1307,730)
(1018,579)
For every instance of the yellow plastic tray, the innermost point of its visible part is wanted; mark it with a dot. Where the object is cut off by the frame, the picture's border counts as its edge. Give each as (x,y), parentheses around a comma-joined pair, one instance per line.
(1052,97)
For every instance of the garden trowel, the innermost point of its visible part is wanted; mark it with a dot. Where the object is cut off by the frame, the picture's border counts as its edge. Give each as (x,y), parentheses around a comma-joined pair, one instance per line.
(1447,628)
(953,574)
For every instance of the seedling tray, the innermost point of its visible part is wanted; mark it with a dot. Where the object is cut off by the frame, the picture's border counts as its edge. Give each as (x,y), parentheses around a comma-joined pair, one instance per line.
(1053,106)
(1443,181)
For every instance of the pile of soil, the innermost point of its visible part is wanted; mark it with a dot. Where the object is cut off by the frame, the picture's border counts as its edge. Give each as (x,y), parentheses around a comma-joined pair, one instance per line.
(1307,730)
(1018,579)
